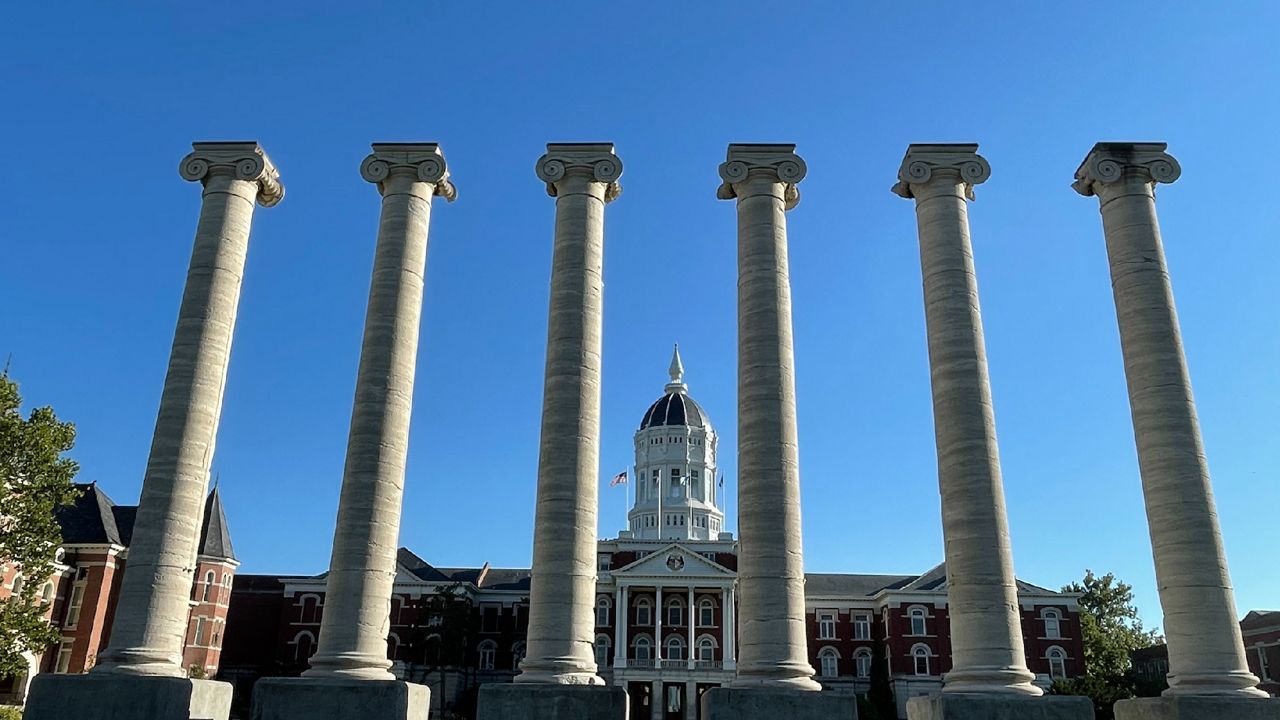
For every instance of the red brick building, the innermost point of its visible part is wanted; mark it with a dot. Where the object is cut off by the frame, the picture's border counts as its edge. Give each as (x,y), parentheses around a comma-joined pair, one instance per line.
(82,591)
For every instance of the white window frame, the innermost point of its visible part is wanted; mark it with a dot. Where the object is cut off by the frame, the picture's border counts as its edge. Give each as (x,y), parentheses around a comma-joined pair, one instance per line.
(200,623)
(603,606)
(1052,618)
(297,646)
(862,663)
(675,609)
(602,650)
(675,648)
(644,604)
(829,662)
(487,652)
(642,641)
(914,613)
(827,624)
(75,604)
(862,627)
(706,613)
(1057,658)
(64,656)
(918,652)
(706,651)
(208,587)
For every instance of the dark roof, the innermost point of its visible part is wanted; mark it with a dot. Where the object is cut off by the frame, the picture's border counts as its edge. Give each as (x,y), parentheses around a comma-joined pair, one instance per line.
(836,584)
(419,567)
(249,583)
(491,578)
(1260,618)
(90,520)
(94,519)
(215,539)
(674,408)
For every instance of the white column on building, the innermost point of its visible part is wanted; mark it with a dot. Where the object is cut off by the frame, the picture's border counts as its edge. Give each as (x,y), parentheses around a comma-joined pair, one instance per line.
(982,595)
(620,627)
(689,654)
(729,634)
(657,629)
(582,178)
(763,178)
(362,567)
(658,710)
(690,700)
(1206,654)
(152,610)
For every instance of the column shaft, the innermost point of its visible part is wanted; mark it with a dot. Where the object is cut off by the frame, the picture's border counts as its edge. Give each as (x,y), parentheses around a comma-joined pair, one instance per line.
(1206,654)
(562,595)
(353,633)
(152,611)
(770,562)
(620,628)
(982,597)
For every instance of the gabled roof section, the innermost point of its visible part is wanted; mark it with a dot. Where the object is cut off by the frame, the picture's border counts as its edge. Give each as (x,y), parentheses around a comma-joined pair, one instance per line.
(215,538)
(91,519)
(670,557)
(1260,618)
(487,578)
(420,568)
(843,585)
(936,581)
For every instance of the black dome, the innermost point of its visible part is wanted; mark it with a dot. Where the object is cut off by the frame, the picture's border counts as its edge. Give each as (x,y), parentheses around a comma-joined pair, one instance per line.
(674,409)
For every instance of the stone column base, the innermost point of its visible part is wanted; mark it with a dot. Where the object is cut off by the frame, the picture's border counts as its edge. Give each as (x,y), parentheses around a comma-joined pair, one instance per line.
(1198,707)
(999,707)
(332,699)
(126,697)
(729,703)
(538,701)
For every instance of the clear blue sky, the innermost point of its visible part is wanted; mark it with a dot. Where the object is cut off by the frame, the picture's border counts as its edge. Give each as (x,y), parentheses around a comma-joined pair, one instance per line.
(96,226)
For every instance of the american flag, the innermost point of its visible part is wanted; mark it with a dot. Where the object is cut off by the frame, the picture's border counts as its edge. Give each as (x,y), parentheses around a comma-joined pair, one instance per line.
(619,479)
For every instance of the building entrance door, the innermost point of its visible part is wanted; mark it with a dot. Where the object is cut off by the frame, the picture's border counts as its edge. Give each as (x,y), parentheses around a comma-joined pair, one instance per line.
(673,700)
(638,697)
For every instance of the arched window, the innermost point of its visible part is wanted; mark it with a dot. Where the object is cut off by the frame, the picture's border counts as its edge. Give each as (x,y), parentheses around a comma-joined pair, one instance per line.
(675,648)
(862,663)
(644,612)
(487,650)
(602,651)
(17,584)
(706,612)
(829,662)
(603,604)
(517,656)
(918,616)
(1057,663)
(431,650)
(1052,622)
(706,649)
(226,580)
(304,644)
(47,594)
(920,655)
(395,610)
(208,586)
(393,647)
(309,611)
(642,648)
(675,612)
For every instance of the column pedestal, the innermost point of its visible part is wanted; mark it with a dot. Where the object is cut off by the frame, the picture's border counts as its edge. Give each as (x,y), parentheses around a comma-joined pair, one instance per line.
(730,703)
(113,697)
(337,699)
(998,707)
(538,701)
(1203,707)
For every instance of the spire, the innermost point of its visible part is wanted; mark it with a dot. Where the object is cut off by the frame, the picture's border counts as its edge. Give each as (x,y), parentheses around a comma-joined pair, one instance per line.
(677,373)
(215,539)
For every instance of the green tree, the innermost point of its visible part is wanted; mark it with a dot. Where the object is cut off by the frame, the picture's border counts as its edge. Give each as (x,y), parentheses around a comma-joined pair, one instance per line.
(880,702)
(35,480)
(1111,630)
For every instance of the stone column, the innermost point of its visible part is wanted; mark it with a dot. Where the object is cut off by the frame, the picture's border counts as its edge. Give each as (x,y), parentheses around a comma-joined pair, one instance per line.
(762,178)
(729,631)
(152,609)
(362,568)
(689,657)
(657,628)
(350,669)
(582,177)
(982,596)
(1206,655)
(989,667)
(620,628)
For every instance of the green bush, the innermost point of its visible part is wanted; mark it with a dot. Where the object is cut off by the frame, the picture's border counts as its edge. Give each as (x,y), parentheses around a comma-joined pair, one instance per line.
(9,712)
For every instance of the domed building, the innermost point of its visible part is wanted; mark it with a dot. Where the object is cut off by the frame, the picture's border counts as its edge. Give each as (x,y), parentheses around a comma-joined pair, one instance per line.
(676,488)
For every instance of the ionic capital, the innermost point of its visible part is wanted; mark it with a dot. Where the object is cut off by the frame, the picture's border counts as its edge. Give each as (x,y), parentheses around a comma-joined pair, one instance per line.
(419,161)
(241,160)
(1113,162)
(596,162)
(770,162)
(926,163)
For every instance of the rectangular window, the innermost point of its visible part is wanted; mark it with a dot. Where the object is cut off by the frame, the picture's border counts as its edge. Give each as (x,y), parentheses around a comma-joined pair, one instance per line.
(64,657)
(642,615)
(199,632)
(73,607)
(674,617)
(826,625)
(489,618)
(1264,667)
(602,562)
(861,627)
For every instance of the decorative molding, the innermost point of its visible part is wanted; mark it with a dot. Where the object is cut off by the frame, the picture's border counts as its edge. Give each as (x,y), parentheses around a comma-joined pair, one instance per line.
(597,160)
(1110,162)
(774,162)
(922,162)
(241,160)
(424,161)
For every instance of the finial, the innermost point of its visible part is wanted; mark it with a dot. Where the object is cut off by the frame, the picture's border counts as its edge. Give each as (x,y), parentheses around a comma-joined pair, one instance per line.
(677,372)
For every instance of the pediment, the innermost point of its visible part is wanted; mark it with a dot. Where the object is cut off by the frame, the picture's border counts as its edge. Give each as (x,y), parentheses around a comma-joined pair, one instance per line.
(674,560)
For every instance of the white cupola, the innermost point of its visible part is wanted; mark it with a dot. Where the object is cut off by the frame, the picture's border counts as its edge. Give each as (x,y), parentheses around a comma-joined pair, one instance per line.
(676,486)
